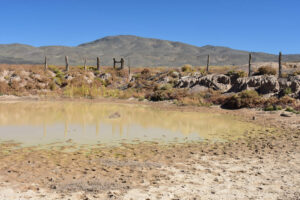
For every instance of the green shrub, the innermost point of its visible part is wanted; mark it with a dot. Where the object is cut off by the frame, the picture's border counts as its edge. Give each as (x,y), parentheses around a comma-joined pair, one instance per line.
(266,70)
(272,108)
(287,91)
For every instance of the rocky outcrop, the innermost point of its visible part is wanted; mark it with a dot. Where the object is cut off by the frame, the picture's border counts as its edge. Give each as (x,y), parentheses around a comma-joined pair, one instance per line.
(216,82)
(262,84)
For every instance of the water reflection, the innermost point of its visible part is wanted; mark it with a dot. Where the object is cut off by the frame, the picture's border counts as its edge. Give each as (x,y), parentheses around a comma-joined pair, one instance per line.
(46,122)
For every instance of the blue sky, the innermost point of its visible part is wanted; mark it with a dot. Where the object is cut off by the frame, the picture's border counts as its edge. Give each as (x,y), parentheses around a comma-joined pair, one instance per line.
(254,25)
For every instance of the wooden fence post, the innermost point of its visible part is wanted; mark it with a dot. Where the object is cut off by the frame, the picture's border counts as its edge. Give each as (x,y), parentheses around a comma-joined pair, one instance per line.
(207,63)
(122,63)
(129,72)
(249,66)
(45,64)
(84,65)
(98,64)
(280,66)
(67,63)
(129,66)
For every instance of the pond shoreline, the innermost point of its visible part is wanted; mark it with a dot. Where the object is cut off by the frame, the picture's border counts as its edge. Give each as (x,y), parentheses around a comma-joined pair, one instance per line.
(265,166)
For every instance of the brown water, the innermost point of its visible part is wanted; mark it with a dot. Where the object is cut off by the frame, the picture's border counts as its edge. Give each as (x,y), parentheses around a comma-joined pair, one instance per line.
(34,123)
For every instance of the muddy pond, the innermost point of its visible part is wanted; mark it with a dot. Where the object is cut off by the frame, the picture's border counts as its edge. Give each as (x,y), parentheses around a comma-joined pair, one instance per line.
(39,123)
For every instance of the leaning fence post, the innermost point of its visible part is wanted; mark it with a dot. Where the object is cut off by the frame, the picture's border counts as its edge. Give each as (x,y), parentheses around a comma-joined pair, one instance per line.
(249,66)
(98,64)
(67,63)
(280,66)
(84,65)
(207,63)
(45,64)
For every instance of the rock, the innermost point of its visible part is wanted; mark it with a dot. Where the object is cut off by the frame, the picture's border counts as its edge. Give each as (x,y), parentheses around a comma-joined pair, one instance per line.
(295,86)
(36,77)
(15,78)
(68,77)
(213,81)
(269,84)
(174,74)
(24,73)
(91,75)
(286,114)
(198,88)
(262,84)
(52,74)
(187,81)
(216,82)
(87,79)
(105,76)
(164,80)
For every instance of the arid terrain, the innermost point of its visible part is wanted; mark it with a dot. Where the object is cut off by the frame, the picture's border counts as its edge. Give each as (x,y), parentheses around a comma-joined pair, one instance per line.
(260,165)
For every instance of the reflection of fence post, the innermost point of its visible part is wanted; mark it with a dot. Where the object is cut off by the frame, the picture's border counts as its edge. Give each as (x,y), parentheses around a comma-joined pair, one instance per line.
(67,63)
(249,66)
(84,65)
(280,66)
(98,63)
(207,63)
(46,65)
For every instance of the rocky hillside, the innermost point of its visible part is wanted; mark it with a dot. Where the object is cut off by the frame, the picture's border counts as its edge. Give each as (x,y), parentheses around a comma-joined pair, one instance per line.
(141,51)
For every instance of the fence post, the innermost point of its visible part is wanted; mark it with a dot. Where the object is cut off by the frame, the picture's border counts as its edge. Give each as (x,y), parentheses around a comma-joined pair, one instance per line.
(280,66)
(45,64)
(98,64)
(67,63)
(207,63)
(84,65)
(129,72)
(122,63)
(249,66)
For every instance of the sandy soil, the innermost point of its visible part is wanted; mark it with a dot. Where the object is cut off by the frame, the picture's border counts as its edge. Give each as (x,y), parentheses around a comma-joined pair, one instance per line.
(261,166)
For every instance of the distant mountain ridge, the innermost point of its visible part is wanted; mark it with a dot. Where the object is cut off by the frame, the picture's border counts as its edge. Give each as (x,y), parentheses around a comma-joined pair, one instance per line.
(141,51)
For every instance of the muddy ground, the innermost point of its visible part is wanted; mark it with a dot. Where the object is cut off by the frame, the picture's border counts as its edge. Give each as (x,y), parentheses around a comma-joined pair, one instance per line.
(261,166)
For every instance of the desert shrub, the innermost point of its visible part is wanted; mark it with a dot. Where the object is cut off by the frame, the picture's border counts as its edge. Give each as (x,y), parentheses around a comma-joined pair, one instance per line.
(290,109)
(295,73)
(52,86)
(187,68)
(266,70)
(247,98)
(272,108)
(286,100)
(237,74)
(161,95)
(166,86)
(145,71)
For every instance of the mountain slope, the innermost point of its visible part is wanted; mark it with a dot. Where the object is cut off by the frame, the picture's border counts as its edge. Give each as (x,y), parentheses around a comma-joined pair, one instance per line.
(141,51)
